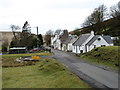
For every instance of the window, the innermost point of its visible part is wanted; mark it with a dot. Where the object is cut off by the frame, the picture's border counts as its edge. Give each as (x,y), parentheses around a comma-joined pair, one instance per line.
(94,46)
(102,45)
(81,51)
(99,39)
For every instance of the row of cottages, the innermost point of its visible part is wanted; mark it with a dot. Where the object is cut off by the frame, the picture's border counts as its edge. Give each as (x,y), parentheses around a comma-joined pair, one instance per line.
(87,42)
(83,43)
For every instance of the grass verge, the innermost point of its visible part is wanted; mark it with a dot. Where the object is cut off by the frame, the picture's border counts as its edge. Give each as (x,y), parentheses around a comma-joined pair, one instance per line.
(105,56)
(10,59)
(47,73)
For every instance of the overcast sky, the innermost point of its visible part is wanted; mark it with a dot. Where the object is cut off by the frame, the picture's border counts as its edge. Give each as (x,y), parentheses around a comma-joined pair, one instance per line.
(48,14)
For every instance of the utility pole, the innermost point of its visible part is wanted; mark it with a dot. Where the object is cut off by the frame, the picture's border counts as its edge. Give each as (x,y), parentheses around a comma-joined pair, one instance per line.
(37,31)
(37,36)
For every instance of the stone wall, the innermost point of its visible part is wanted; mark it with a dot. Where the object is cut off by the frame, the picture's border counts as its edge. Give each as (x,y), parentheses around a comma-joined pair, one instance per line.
(6,37)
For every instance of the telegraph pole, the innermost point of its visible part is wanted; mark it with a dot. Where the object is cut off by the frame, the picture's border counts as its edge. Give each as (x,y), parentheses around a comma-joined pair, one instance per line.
(37,31)
(37,36)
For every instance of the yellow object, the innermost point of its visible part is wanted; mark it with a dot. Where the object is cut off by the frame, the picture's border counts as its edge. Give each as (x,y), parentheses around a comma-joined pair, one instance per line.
(35,57)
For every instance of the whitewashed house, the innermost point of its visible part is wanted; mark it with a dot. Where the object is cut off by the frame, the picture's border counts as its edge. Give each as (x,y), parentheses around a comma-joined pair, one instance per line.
(70,43)
(87,42)
(65,43)
(57,40)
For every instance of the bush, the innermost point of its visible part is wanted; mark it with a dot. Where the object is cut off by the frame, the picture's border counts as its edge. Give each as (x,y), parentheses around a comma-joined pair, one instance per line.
(4,49)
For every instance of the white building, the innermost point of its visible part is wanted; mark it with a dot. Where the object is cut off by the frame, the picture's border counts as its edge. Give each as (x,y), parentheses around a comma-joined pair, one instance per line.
(58,39)
(87,42)
(70,44)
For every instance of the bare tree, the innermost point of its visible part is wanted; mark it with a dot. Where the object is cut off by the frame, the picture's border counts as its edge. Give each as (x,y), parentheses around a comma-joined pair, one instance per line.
(47,37)
(57,32)
(14,28)
(97,16)
(115,10)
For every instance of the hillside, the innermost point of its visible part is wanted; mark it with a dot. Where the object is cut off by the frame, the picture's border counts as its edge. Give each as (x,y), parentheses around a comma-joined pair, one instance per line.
(107,56)
(108,27)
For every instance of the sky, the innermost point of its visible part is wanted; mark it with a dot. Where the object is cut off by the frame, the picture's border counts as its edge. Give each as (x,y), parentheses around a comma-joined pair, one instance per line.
(48,14)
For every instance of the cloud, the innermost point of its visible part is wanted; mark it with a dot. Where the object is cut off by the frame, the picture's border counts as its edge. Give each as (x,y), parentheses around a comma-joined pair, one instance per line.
(47,14)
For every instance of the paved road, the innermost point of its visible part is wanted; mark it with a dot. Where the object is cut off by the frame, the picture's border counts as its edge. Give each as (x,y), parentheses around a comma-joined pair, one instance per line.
(94,76)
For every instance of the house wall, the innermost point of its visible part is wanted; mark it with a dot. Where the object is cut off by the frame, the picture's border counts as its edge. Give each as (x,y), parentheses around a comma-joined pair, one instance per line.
(98,43)
(58,44)
(64,47)
(77,49)
(53,39)
(69,47)
(74,49)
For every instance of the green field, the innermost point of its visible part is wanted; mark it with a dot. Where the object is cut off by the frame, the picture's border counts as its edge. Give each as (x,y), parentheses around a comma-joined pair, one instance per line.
(47,73)
(10,59)
(106,56)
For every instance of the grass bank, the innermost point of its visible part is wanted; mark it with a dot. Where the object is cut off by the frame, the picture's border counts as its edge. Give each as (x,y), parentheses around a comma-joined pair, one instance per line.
(47,73)
(10,59)
(106,56)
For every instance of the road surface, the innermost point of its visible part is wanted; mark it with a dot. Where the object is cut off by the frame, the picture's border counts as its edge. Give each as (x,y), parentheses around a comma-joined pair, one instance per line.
(93,75)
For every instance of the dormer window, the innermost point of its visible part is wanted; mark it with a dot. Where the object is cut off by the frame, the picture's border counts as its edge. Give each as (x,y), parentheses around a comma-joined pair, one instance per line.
(99,39)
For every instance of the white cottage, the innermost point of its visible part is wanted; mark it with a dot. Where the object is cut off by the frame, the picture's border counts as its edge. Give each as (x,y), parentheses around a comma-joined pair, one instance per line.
(57,41)
(70,44)
(87,42)
(65,43)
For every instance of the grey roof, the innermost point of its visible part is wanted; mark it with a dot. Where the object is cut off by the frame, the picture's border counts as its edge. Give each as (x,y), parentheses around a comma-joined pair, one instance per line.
(93,39)
(73,39)
(67,40)
(81,39)
(107,39)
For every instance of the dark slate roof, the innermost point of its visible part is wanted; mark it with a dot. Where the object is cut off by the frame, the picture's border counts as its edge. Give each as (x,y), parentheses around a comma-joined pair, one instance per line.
(67,40)
(81,39)
(107,39)
(73,39)
(64,36)
(93,39)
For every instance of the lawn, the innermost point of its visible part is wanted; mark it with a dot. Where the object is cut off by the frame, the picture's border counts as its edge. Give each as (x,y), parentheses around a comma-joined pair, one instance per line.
(47,73)
(105,56)
(10,59)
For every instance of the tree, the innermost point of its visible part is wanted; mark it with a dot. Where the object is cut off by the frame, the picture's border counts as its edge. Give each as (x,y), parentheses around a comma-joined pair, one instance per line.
(57,32)
(40,39)
(26,39)
(26,27)
(96,18)
(47,38)
(5,45)
(14,28)
(115,10)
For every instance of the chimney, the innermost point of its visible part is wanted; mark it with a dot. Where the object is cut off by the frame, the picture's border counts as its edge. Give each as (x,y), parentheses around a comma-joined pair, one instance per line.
(92,32)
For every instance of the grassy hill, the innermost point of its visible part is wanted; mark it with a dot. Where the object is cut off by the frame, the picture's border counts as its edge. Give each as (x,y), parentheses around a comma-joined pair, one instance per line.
(108,27)
(107,56)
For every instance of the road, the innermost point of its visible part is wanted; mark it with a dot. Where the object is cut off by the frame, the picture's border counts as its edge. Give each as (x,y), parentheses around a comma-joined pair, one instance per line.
(93,75)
